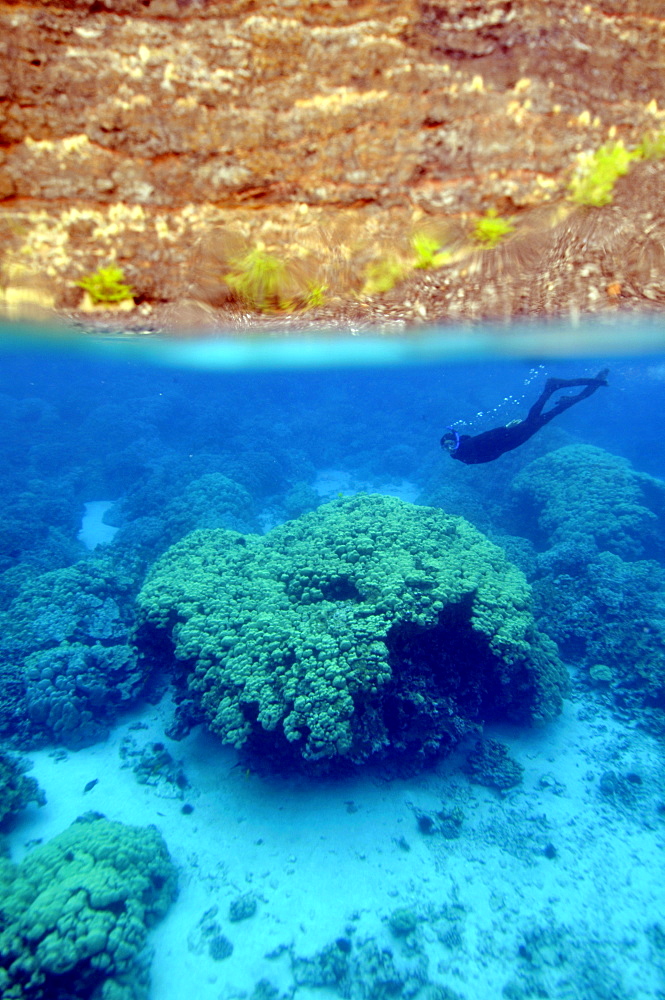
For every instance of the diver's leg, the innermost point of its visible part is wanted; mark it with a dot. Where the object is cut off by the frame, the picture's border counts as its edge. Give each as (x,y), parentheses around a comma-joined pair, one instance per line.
(551,386)
(537,407)
(565,402)
(556,384)
(590,384)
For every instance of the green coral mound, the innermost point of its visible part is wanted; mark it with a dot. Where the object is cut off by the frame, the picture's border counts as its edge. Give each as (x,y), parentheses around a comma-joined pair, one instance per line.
(66,635)
(365,626)
(599,579)
(16,790)
(585,492)
(74,914)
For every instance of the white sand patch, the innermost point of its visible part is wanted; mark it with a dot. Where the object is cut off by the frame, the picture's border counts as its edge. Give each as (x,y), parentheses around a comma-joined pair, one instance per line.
(93,530)
(326,859)
(332,483)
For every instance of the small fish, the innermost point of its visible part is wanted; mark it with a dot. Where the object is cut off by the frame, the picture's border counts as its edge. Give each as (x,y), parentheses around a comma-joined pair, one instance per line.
(90,785)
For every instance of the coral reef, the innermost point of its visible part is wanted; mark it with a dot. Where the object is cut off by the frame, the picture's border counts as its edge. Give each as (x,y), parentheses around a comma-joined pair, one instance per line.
(586,492)
(65,647)
(598,581)
(370,625)
(490,764)
(76,911)
(607,615)
(16,790)
(242,907)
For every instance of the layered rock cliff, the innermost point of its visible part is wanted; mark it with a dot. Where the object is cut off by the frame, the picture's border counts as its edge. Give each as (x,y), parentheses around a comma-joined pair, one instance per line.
(131,129)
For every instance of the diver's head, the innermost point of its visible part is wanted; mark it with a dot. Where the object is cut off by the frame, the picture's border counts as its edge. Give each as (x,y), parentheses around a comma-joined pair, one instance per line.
(450,440)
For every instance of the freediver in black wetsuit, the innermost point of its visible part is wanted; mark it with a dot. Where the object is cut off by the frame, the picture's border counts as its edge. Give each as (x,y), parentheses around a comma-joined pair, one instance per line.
(490,444)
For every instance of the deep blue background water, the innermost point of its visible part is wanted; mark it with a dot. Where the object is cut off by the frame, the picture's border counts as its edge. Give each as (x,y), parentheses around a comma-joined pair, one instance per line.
(108,421)
(79,426)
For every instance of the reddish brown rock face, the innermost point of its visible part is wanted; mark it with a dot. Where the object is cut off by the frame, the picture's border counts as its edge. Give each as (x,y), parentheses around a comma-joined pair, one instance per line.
(131,129)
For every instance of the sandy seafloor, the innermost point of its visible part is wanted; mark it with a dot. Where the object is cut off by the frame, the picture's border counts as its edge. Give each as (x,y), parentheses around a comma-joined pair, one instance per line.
(553,889)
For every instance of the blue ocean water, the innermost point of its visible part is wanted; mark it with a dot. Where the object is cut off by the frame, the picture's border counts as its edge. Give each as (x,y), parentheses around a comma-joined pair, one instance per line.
(481,812)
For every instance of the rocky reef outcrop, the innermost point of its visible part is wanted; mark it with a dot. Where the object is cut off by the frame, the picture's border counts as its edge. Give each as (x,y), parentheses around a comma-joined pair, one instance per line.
(130,129)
